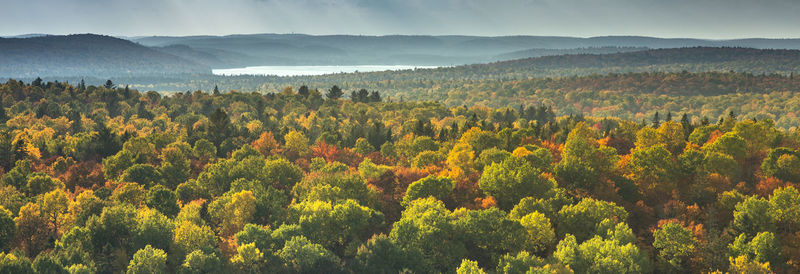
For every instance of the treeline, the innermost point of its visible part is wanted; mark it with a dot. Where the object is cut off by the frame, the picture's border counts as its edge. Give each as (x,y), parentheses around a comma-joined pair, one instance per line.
(631,96)
(701,59)
(107,179)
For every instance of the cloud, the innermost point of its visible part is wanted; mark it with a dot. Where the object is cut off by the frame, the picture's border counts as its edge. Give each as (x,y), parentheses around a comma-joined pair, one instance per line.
(675,18)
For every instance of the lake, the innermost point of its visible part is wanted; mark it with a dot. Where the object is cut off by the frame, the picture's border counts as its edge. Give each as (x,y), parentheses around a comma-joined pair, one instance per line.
(309,70)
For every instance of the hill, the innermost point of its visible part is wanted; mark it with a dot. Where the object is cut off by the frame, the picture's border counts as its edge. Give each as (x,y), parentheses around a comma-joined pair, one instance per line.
(87,55)
(539,52)
(300,49)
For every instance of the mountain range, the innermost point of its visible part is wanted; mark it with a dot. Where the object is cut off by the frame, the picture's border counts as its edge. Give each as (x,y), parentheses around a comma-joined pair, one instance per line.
(87,55)
(300,49)
(99,56)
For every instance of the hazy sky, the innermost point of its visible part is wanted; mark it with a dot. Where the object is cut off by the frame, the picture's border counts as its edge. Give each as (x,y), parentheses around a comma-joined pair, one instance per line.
(662,18)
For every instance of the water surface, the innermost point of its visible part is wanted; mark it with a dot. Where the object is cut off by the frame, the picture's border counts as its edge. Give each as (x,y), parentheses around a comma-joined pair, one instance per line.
(309,70)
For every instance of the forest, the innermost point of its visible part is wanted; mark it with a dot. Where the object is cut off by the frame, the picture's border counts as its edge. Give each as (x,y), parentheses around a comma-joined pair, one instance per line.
(630,96)
(341,179)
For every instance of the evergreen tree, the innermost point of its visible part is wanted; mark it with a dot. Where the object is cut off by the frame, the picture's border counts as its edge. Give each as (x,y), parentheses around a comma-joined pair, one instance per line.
(334,93)
(109,85)
(375,97)
(77,124)
(108,143)
(656,120)
(3,114)
(303,91)
(219,129)
(19,149)
(687,125)
(37,82)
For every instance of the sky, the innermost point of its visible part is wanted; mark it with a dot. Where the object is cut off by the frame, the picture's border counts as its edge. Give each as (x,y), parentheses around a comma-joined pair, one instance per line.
(710,19)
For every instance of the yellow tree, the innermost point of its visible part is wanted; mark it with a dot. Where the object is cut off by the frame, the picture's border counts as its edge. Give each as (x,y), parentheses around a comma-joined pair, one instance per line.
(460,161)
(53,205)
(233,211)
(296,143)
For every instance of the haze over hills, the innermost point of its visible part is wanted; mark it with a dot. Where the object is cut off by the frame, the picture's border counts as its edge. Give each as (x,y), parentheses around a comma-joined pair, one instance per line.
(300,49)
(87,55)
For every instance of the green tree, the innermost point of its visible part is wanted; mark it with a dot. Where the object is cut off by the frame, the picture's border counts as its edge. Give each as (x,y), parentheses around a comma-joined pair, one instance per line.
(469,267)
(785,204)
(15,263)
(363,146)
(492,155)
(114,227)
(189,237)
(258,235)
(8,228)
(80,269)
(674,243)
(46,263)
(488,234)
(759,136)
(519,263)
(142,174)
(39,183)
(730,144)
(204,150)
(431,186)
(174,167)
(163,200)
(583,160)
(270,202)
(336,226)
(202,262)
(426,225)
(249,259)
(512,180)
(652,169)
(548,206)
(540,234)
(282,173)
(299,255)
(599,255)
(763,248)
(381,255)
(782,163)
(148,260)
(153,228)
(754,215)
(584,217)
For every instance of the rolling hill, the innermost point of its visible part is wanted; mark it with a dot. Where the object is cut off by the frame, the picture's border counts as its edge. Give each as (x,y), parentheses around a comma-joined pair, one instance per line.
(450,50)
(88,55)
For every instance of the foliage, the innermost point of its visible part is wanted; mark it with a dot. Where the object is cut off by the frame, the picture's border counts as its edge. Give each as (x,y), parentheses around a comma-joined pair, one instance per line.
(148,260)
(431,186)
(232,182)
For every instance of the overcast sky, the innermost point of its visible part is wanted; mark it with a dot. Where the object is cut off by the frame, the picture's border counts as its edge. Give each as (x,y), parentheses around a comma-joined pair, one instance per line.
(713,19)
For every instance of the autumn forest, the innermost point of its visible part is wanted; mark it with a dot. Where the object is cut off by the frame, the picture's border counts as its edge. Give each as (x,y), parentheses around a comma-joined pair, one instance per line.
(108,179)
